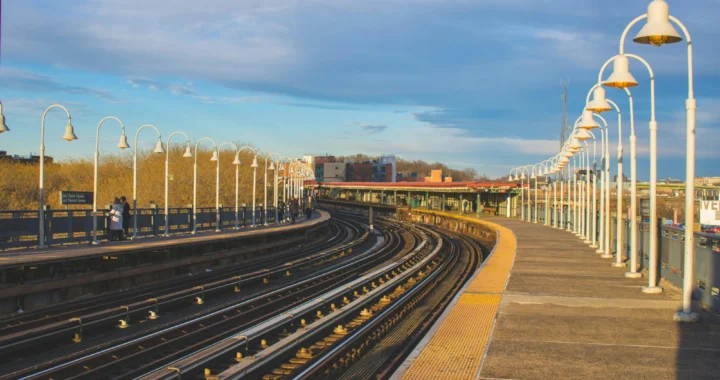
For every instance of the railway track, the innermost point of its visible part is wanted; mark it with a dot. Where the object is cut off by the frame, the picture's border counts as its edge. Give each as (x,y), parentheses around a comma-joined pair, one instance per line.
(264,343)
(13,323)
(368,337)
(130,356)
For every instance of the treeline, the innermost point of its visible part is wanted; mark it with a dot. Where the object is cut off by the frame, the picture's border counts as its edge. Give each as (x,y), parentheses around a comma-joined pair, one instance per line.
(423,168)
(19,182)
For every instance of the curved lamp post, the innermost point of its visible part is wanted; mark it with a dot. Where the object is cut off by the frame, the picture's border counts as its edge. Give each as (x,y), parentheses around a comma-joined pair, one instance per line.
(659,31)
(3,126)
(621,78)
(236,162)
(254,166)
(158,149)
(217,180)
(122,145)
(187,154)
(69,136)
(275,171)
(601,104)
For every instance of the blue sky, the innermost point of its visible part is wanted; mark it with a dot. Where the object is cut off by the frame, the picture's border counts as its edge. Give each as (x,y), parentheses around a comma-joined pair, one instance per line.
(471,83)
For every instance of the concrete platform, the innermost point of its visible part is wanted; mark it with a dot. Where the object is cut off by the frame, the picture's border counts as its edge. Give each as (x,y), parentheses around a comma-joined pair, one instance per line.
(71,252)
(567,314)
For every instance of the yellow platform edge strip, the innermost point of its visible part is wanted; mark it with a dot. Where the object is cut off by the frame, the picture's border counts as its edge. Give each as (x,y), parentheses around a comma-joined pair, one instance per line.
(457,349)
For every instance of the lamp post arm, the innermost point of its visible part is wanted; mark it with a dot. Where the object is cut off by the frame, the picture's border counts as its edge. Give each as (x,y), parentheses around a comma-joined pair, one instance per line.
(198,143)
(627,30)
(227,143)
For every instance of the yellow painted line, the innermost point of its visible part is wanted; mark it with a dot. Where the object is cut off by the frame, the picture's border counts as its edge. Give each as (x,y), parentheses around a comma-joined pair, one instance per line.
(457,349)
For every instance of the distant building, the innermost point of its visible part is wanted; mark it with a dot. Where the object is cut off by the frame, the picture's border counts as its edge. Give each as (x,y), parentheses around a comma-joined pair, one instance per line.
(389,159)
(624,178)
(319,165)
(335,172)
(362,172)
(31,159)
(435,176)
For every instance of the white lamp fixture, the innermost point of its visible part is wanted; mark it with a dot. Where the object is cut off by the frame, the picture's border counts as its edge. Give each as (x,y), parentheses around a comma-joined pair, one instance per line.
(123,144)
(575,144)
(159,147)
(522,176)
(188,152)
(237,159)
(621,77)
(214,155)
(658,30)
(583,134)
(3,126)
(587,122)
(599,103)
(69,133)
(254,163)
(272,166)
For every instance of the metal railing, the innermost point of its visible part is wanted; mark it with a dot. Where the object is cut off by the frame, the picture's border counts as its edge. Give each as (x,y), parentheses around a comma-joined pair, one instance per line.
(19,228)
(671,251)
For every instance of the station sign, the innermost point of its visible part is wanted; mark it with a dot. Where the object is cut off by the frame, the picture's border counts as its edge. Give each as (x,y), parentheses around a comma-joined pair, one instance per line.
(76,197)
(710,213)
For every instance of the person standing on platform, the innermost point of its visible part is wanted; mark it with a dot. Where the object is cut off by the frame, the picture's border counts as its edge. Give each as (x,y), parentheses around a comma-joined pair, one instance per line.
(126,217)
(280,209)
(308,206)
(294,209)
(116,220)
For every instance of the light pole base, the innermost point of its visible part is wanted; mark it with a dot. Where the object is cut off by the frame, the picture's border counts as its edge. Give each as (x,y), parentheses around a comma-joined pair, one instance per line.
(633,274)
(96,242)
(586,241)
(602,251)
(193,232)
(134,237)
(42,246)
(618,265)
(606,256)
(218,230)
(682,316)
(594,246)
(166,235)
(652,290)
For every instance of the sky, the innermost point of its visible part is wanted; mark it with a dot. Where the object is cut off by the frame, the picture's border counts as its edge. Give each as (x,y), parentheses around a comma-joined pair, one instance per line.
(471,83)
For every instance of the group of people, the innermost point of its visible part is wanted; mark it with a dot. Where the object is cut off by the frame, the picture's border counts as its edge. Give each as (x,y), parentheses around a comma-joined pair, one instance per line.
(294,208)
(119,219)
(119,215)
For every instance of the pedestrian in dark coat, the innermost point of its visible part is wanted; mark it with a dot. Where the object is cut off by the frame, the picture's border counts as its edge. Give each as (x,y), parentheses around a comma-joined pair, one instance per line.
(280,209)
(294,209)
(126,217)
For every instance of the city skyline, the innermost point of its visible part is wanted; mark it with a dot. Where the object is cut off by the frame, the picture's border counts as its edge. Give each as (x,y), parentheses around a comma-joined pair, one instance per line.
(469,84)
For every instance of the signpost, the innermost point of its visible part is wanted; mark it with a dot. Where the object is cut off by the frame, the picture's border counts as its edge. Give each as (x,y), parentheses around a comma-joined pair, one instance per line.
(710,213)
(645,209)
(76,197)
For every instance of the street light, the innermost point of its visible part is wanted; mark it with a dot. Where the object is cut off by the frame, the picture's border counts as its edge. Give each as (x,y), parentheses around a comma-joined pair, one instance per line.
(217,182)
(659,31)
(237,163)
(158,149)
(122,145)
(621,78)
(187,154)
(275,173)
(3,126)
(601,104)
(254,166)
(69,136)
